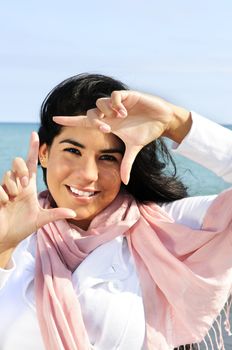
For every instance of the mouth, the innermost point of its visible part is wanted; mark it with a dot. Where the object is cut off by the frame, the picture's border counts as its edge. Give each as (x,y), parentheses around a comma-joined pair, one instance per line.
(81,194)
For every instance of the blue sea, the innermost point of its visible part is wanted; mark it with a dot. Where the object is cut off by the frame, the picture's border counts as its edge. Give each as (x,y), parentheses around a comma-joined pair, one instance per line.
(14,141)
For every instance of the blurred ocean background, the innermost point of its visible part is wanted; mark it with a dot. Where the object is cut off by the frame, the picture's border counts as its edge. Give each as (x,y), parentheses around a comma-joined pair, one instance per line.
(14,141)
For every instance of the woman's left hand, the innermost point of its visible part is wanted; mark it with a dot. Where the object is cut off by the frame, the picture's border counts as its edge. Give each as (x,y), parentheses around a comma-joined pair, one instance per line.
(136,118)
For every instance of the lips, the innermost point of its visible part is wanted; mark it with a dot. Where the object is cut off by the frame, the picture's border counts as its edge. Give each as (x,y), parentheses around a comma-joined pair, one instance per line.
(81,193)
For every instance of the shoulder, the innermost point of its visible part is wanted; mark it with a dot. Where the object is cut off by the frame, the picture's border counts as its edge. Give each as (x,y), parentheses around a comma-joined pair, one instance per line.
(189,211)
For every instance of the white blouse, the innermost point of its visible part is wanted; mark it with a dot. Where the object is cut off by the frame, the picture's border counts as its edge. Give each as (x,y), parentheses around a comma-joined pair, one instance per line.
(106,282)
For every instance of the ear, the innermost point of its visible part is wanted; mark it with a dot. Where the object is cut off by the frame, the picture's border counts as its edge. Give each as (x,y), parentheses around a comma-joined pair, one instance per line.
(43,155)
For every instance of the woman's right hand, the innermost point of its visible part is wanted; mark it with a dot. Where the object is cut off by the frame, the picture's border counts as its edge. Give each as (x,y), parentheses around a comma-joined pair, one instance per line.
(20,211)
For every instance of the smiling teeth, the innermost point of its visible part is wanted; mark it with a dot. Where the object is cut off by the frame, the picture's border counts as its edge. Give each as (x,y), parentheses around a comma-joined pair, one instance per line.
(81,193)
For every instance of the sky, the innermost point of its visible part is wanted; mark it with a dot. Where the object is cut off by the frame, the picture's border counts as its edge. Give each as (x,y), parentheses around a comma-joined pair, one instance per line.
(177,49)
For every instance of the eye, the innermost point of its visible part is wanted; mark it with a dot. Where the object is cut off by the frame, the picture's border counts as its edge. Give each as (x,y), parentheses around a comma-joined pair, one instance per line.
(72,150)
(109,158)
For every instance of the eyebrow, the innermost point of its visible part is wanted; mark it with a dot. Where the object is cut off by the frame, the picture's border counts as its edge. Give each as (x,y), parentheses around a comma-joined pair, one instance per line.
(77,144)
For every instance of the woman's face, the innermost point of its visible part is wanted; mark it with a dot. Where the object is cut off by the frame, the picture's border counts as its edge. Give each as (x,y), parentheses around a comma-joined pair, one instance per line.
(83,170)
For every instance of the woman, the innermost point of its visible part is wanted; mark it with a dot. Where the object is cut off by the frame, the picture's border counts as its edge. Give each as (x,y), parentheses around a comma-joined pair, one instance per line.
(113,255)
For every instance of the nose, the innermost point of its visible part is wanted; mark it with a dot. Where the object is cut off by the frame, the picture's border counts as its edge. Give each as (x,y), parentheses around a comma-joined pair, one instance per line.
(88,170)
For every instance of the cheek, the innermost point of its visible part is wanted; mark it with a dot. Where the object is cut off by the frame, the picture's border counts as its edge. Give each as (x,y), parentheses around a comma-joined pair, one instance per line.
(57,169)
(111,180)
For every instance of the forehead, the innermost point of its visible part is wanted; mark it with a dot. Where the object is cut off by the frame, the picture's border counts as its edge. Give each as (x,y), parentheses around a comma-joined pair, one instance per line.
(90,137)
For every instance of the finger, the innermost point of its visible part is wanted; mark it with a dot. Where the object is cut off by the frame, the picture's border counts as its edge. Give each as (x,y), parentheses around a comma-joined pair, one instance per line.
(98,113)
(33,153)
(79,120)
(93,117)
(127,162)
(4,198)
(104,105)
(117,98)
(20,170)
(87,121)
(10,184)
(106,128)
(50,215)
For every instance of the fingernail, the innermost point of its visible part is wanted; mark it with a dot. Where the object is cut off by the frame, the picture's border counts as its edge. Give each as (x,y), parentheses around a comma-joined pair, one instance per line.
(105,128)
(122,112)
(24,181)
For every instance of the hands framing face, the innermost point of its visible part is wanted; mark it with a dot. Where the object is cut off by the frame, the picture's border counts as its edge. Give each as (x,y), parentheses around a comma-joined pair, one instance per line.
(136,118)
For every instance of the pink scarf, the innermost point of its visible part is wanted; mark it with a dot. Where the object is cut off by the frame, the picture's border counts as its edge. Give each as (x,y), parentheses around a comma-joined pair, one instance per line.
(185,274)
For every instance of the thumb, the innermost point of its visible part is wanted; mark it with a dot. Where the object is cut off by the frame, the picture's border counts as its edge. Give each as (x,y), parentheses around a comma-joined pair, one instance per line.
(49,215)
(127,162)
